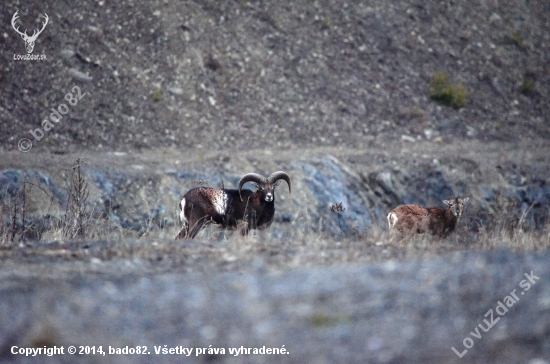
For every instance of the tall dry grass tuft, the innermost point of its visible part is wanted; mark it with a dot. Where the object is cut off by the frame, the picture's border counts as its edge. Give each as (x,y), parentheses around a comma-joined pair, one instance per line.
(284,248)
(2,228)
(514,239)
(75,219)
(338,208)
(298,242)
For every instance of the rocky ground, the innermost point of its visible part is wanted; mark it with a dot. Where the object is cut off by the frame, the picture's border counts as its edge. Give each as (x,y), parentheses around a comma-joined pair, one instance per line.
(329,290)
(413,312)
(337,94)
(137,192)
(202,75)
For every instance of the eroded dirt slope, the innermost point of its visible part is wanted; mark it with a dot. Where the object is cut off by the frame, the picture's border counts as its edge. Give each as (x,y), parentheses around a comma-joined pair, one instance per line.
(235,75)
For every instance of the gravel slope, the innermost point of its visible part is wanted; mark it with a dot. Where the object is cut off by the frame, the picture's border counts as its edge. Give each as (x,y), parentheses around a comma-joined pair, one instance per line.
(411,312)
(233,75)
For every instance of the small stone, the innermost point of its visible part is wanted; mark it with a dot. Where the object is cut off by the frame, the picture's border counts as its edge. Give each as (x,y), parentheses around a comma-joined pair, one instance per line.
(430,133)
(472,132)
(494,17)
(79,75)
(175,91)
(93,29)
(67,54)
(407,138)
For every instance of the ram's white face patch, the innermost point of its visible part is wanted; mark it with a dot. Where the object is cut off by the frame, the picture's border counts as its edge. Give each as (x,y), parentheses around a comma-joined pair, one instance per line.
(220,202)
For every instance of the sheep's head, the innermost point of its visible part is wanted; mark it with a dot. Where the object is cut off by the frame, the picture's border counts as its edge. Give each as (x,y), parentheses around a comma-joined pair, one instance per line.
(456,205)
(265,186)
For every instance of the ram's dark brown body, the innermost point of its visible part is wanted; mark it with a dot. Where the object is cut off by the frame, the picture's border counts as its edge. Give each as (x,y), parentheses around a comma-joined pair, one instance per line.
(231,209)
(251,213)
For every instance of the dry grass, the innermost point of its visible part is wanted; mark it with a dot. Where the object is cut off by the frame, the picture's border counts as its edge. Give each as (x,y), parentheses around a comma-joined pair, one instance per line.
(217,251)
(77,237)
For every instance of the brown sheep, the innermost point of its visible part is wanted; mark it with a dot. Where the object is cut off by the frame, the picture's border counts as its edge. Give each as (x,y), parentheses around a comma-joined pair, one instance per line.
(413,219)
(231,209)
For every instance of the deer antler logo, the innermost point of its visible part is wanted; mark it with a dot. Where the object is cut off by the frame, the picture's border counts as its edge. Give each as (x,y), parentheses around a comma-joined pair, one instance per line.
(29,41)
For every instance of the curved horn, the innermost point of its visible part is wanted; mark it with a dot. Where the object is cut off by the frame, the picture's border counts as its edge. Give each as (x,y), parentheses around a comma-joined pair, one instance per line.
(275,176)
(251,177)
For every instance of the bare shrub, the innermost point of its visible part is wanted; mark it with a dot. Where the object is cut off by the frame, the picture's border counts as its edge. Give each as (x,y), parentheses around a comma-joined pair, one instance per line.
(74,222)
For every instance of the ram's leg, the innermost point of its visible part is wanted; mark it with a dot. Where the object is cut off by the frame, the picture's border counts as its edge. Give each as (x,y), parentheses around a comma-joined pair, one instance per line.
(250,222)
(182,234)
(243,227)
(184,231)
(195,226)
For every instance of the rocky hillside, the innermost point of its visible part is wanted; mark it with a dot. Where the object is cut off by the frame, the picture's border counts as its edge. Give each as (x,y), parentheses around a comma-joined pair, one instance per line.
(367,103)
(134,191)
(235,75)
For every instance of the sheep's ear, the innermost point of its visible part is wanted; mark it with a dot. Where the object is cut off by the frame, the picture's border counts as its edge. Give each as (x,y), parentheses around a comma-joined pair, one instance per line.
(256,186)
(447,203)
(465,200)
(277,183)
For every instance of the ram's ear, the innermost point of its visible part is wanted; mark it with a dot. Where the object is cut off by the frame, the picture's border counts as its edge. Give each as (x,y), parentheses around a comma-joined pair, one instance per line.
(256,186)
(277,183)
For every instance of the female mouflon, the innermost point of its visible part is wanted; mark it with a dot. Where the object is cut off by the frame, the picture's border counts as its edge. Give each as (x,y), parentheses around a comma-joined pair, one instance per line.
(413,219)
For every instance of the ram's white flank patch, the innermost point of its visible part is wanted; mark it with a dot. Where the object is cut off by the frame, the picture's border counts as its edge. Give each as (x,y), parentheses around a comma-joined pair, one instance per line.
(220,202)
